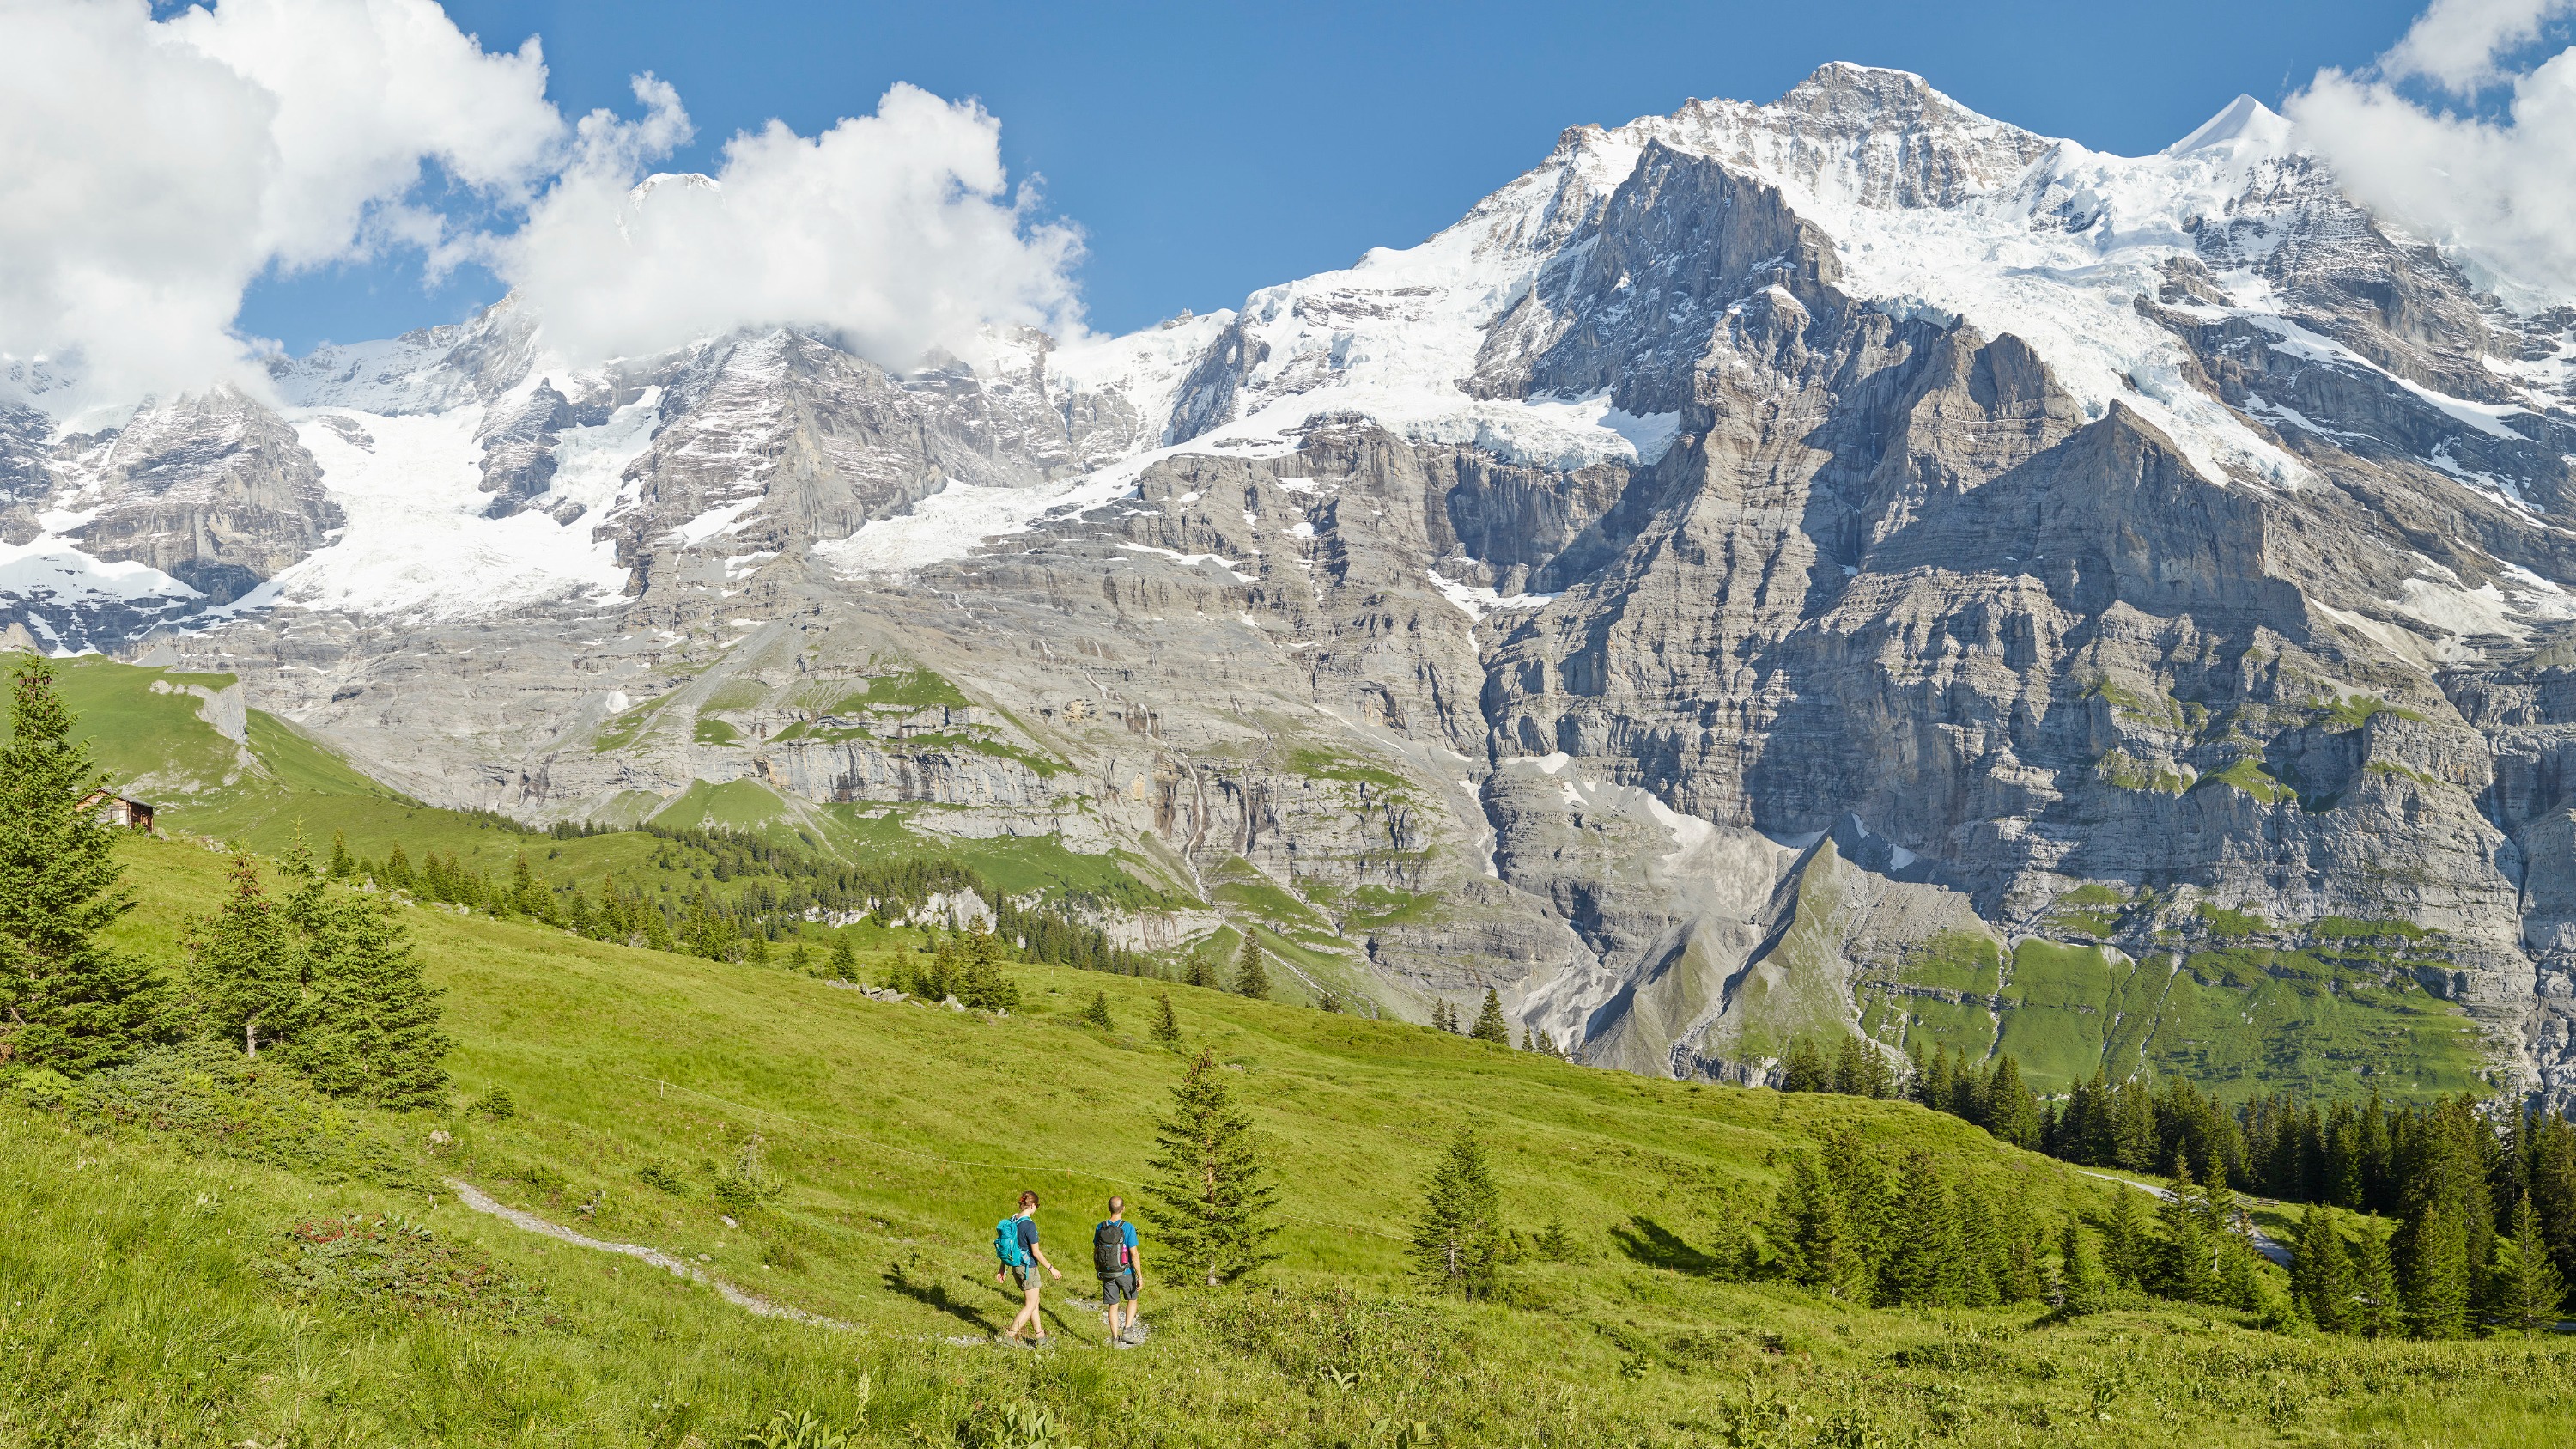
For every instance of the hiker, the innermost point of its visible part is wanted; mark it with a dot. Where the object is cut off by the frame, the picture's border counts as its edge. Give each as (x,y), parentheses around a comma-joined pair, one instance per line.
(1113,1253)
(1015,1245)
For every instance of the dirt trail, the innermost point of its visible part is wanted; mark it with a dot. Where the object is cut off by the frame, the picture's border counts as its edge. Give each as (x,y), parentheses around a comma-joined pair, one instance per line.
(2264,1243)
(472,1197)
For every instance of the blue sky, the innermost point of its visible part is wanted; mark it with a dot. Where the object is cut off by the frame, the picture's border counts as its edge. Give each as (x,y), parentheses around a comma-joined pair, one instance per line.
(1208,149)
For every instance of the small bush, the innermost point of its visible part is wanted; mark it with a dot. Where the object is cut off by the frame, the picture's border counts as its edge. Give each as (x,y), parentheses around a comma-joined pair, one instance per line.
(498,1105)
(213,1099)
(386,1264)
(663,1177)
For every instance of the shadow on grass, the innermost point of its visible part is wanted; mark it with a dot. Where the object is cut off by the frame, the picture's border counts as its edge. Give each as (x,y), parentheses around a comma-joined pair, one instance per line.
(935,1295)
(1651,1243)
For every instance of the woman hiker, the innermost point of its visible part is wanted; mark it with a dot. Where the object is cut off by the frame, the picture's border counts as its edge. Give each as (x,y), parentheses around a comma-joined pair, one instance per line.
(1015,1246)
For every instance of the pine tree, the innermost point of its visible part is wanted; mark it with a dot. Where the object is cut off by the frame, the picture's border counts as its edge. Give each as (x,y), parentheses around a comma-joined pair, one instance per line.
(2010,1113)
(2124,1241)
(247,970)
(2377,1309)
(1490,1025)
(2529,1289)
(800,957)
(1199,971)
(1166,1030)
(344,866)
(1329,1003)
(1927,1266)
(1812,1235)
(1548,1045)
(2080,1286)
(67,1001)
(1847,1067)
(2321,1272)
(845,962)
(1097,1013)
(2186,1256)
(1208,1201)
(397,873)
(1251,978)
(2552,1176)
(373,1031)
(1804,1070)
(1982,1249)
(1458,1239)
(2433,1266)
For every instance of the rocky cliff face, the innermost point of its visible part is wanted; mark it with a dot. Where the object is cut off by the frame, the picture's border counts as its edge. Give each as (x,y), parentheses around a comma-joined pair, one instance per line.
(1839,565)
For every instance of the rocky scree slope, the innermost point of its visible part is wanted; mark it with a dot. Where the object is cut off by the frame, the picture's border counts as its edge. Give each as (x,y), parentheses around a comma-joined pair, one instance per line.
(1839,564)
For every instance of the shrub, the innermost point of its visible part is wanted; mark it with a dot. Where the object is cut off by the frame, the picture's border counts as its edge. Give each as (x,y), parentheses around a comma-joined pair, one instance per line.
(386,1264)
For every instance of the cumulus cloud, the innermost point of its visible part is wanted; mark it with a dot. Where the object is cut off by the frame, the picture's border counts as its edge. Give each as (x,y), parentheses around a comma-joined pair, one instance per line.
(2498,193)
(2455,43)
(151,170)
(893,233)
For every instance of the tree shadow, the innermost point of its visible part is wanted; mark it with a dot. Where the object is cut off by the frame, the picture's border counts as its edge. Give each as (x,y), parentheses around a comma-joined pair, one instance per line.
(935,1295)
(1651,1243)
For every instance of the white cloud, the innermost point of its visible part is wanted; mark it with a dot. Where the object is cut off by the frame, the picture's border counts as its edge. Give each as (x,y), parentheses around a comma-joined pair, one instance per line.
(2498,194)
(893,232)
(2454,43)
(150,170)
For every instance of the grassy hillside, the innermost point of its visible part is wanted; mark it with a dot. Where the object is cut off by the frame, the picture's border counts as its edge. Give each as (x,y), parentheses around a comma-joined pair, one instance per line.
(162,1285)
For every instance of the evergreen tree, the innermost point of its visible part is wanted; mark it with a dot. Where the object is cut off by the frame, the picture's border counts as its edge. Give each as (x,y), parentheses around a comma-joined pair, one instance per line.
(397,872)
(1932,1080)
(1874,1079)
(1847,1070)
(1097,1013)
(1547,1044)
(1490,1025)
(1251,978)
(1805,1069)
(844,962)
(800,957)
(1813,1237)
(2186,1252)
(2529,1288)
(2011,1113)
(1198,970)
(2321,1272)
(2081,1288)
(1208,1200)
(1458,1239)
(2552,1175)
(2134,1127)
(1927,1267)
(2124,1241)
(2377,1309)
(344,866)
(1329,1003)
(1983,1254)
(247,971)
(67,1001)
(373,1030)
(2434,1273)
(1166,1030)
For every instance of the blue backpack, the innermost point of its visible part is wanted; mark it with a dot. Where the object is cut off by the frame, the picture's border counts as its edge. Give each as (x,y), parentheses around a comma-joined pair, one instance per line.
(1006,1243)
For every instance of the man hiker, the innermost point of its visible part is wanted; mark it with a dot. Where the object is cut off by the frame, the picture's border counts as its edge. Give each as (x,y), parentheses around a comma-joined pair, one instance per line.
(1113,1252)
(1015,1245)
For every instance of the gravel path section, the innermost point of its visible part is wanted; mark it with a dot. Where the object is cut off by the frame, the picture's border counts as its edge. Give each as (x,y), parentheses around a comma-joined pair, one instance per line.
(2264,1243)
(474,1198)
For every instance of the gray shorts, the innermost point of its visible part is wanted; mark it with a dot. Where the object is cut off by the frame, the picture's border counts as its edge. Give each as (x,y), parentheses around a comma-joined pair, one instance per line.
(1119,1287)
(1028,1276)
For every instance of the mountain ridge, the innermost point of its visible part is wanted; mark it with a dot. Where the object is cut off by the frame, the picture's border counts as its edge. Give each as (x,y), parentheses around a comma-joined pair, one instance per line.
(1852,468)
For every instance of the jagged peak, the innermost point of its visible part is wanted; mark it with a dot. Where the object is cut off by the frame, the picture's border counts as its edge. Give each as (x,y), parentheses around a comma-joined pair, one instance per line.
(2244,122)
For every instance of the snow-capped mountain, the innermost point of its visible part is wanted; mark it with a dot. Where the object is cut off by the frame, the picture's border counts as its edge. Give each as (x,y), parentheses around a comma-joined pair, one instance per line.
(1750,547)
